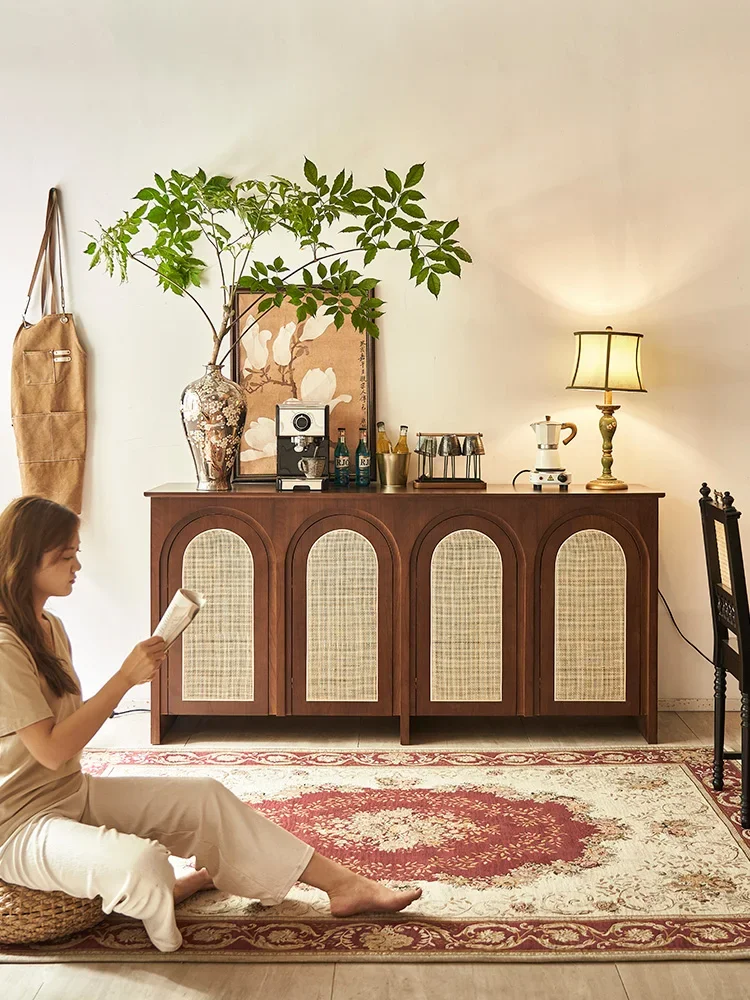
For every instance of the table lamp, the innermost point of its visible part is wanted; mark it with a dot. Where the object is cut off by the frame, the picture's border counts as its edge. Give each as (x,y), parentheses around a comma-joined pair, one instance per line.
(607,360)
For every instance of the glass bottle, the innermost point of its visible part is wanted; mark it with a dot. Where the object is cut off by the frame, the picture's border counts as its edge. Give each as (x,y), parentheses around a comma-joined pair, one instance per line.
(383,445)
(362,460)
(341,460)
(402,447)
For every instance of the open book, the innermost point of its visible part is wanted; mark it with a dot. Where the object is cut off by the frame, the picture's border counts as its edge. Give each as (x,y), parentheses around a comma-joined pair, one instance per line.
(183,607)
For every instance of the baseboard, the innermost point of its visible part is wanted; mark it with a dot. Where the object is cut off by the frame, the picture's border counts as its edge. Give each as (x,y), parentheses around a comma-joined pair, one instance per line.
(695,704)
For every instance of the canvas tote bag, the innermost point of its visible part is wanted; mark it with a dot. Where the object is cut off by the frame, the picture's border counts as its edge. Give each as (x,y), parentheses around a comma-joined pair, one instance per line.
(48,383)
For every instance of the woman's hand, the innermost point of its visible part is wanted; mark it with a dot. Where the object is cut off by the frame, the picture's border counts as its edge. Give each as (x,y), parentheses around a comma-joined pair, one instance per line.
(142,664)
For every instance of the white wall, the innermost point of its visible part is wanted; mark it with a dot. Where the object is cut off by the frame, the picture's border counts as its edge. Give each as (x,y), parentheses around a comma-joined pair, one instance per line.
(596,151)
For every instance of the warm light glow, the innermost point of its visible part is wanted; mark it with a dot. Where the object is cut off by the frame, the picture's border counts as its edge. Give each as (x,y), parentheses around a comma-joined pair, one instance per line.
(607,361)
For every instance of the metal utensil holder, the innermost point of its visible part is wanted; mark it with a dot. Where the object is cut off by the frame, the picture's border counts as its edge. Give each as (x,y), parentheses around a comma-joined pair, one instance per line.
(448,446)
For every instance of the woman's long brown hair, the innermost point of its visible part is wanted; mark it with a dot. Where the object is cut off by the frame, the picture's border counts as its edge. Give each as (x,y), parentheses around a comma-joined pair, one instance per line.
(30,527)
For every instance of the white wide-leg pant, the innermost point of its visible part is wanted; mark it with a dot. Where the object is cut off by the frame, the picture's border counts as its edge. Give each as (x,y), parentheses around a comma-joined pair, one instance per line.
(112,838)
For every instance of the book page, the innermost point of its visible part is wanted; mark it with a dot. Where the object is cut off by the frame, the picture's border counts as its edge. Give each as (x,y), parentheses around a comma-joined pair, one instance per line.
(183,607)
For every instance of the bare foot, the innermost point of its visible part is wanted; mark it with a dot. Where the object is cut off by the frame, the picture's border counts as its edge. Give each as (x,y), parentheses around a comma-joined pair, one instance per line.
(359,895)
(188,885)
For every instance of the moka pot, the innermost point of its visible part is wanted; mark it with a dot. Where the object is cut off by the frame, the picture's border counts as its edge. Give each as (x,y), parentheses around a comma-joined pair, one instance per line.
(547,443)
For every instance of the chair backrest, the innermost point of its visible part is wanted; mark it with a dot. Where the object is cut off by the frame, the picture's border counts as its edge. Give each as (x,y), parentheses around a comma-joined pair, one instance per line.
(726,572)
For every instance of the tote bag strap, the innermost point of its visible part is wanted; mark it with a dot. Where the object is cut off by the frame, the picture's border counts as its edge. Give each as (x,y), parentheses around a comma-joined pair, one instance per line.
(49,262)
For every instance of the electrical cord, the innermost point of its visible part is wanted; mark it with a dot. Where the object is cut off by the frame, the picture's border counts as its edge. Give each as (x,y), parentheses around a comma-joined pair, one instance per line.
(128,711)
(682,635)
(519,474)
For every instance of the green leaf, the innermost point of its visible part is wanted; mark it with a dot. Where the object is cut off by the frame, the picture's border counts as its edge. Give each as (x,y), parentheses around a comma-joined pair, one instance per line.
(191,234)
(415,211)
(352,229)
(453,266)
(157,215)
(411,195)
(393,180)
(338,182)
(311,171)
(278,264)
(146,194)
(307,277)
(422,275)
(246,281)
(463,254)
(160,181)
(301,313)
(321,270)
(261,267)
(265,304)
(338,320)
(91,248)
(370,255)
(433,283)
(366,284)
(415,175)
(360,196)
(381,192)
(403,244)
(406,226)
(450,228)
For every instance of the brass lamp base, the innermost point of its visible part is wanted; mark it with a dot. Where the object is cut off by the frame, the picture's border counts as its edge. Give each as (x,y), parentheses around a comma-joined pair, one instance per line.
(604,483)
(607,426)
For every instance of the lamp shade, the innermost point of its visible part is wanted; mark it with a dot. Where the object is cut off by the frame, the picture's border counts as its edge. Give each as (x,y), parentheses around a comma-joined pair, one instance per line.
(607,360)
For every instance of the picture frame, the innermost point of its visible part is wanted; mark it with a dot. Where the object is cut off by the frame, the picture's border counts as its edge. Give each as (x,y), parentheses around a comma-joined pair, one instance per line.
(280,359)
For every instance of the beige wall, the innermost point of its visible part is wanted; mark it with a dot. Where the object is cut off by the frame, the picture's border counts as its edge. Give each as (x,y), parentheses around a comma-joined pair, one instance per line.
(596,151)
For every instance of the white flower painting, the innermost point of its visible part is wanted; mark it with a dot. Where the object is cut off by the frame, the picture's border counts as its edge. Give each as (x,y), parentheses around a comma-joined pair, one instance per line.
(281,359)
(320,387)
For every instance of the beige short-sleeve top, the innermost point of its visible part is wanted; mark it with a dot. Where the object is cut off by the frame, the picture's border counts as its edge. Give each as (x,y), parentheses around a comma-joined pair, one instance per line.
(27,788)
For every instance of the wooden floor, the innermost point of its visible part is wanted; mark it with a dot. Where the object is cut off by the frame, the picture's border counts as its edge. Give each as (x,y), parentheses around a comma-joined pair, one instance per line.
(377,981)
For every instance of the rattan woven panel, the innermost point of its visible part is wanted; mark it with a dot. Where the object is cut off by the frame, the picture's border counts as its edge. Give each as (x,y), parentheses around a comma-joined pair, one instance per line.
(217,648)
(342,618)
(721,548)
(590,587)
(466,619)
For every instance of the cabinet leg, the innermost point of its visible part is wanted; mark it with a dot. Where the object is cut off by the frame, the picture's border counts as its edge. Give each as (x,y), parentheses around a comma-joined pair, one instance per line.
(649,727)
(160,726)
(405,730)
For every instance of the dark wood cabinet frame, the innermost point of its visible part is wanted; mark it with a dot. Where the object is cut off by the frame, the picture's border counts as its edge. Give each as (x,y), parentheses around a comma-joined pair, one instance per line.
(404,528)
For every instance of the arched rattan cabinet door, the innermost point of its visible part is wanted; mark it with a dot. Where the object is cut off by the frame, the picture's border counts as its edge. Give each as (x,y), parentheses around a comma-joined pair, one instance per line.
(342,619)
(591,596)
(466,610)
(221,660)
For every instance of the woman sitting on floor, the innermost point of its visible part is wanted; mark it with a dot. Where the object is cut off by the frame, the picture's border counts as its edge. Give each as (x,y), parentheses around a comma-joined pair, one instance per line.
(111,837)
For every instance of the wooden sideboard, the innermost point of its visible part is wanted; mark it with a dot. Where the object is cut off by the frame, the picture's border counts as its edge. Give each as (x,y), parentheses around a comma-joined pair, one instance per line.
(408,603)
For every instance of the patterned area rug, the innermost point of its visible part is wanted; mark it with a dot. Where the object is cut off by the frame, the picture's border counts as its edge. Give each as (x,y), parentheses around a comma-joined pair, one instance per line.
(529,855)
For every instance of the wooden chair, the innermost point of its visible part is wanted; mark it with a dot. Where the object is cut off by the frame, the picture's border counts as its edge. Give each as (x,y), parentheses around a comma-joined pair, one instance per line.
(731,620)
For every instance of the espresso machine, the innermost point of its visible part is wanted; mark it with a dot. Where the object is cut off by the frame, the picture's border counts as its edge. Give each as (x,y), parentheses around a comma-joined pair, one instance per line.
(549,470)
(301,446)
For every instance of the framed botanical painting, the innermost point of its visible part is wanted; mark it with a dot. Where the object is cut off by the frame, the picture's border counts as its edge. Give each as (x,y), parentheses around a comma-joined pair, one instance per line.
(280,359)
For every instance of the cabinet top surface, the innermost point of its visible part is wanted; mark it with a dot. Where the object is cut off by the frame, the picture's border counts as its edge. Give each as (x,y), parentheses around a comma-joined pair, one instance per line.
(334,495)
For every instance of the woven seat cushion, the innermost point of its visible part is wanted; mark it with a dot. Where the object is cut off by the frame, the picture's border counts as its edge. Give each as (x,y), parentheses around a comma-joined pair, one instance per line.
(29,915)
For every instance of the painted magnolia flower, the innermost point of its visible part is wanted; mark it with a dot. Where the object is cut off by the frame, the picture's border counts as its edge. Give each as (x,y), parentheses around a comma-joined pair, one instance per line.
(282,351)
(256,345)
(260,438)
(319,386)
(316,325)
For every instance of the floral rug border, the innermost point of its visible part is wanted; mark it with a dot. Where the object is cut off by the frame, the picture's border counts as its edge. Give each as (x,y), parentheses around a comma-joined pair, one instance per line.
(399,938)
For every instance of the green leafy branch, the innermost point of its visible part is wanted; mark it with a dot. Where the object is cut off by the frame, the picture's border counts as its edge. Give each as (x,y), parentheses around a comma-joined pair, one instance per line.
(229,216)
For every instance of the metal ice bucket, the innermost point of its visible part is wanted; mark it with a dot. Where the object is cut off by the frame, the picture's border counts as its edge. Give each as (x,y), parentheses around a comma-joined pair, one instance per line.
(393,470)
